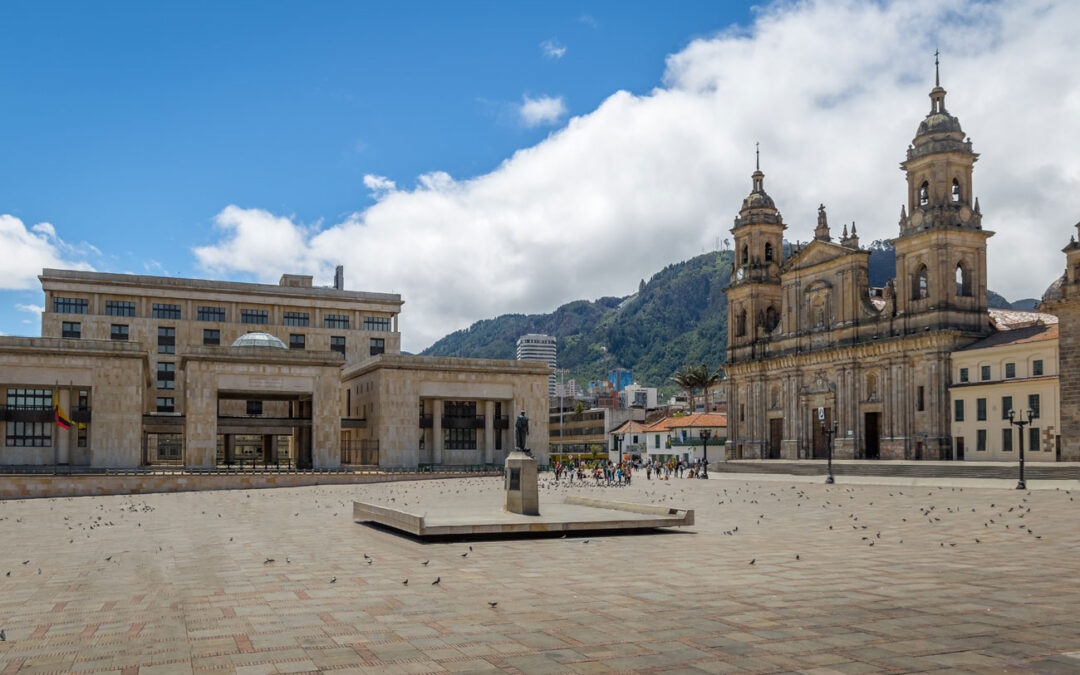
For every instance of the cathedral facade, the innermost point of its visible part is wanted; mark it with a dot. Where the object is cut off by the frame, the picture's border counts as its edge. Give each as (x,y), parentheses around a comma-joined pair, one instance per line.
(813,350)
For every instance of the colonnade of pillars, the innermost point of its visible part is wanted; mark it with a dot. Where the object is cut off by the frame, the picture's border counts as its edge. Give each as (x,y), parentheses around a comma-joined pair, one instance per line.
(485,445)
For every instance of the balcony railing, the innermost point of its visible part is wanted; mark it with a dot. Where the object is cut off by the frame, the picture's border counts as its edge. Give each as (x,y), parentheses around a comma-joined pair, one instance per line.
(26,413)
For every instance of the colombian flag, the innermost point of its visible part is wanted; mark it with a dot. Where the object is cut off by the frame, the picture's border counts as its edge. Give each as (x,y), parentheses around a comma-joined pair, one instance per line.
(62,420)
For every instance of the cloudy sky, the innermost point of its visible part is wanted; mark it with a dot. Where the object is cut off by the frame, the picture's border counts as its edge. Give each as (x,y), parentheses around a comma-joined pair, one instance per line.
(481,159)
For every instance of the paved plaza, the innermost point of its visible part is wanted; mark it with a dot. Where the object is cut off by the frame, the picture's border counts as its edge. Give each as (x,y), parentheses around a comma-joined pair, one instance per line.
(777,575)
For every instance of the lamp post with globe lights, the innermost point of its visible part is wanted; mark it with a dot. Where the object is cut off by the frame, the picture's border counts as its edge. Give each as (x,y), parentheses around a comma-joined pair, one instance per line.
(1018,421)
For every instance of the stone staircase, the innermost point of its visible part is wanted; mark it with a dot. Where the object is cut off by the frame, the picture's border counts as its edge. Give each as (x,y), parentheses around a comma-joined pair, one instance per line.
(1032,470)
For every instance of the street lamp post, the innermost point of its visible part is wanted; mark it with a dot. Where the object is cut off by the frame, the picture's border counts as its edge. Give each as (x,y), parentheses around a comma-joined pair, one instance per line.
(829,432)
(705,433)
(1018,421)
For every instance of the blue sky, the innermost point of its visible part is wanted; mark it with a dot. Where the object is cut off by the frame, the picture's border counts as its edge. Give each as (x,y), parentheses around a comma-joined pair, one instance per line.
(177,138)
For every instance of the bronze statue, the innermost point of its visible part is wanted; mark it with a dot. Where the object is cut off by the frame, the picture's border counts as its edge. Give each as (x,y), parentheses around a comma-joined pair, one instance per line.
(521,430)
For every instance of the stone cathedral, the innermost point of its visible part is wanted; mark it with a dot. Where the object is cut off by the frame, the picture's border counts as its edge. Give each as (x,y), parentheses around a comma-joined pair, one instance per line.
(810,343)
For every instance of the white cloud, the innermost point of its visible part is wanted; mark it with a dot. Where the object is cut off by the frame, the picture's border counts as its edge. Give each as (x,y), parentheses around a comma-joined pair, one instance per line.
(33,309)
(27,251)
(380,186)
(553,49)
(542,110)
(833,90)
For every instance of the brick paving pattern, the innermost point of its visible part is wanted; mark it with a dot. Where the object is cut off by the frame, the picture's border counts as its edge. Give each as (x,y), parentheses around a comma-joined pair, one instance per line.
(852,578)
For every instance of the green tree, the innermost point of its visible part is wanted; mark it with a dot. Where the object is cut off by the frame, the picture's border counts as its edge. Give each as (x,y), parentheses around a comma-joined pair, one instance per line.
(708,381)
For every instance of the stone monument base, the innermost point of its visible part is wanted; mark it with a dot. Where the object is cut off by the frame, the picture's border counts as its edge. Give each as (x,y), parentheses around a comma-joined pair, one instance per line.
(520,483)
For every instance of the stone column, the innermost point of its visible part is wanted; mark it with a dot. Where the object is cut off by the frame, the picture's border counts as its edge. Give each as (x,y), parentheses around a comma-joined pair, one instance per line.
(200,418)
(489,432)
(436,431)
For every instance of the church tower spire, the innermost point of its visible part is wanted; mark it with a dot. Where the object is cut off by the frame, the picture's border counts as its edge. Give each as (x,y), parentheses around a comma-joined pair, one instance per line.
(941,247)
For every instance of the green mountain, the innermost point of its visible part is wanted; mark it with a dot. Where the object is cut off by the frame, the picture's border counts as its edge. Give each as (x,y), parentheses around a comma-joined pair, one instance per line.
(679,316)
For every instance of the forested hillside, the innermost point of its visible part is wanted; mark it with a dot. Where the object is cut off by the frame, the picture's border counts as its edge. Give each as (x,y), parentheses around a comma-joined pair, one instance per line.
(677,317)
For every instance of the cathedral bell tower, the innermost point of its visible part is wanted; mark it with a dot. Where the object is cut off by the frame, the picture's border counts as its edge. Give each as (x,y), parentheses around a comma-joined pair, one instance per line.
(754,290)
(941,250)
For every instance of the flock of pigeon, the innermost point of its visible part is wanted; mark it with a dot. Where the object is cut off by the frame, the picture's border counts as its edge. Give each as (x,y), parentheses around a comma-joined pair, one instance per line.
(121,518)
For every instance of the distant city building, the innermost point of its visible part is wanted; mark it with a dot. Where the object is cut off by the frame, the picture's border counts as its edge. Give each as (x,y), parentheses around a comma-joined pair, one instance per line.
(637,396)
(620,378)
(539,347)
(568,390)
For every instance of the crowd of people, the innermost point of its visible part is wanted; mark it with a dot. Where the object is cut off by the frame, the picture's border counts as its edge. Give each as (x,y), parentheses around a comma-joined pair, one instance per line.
(605,472)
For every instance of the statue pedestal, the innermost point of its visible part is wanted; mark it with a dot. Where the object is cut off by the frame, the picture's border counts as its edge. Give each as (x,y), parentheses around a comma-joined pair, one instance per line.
(522,492)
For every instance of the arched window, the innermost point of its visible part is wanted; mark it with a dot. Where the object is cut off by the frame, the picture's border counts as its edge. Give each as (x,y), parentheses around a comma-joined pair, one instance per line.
(768,251)
(740,323)
(924,194)
(772,318)
(745,254)
(963,281)
(919,284)
(955,190)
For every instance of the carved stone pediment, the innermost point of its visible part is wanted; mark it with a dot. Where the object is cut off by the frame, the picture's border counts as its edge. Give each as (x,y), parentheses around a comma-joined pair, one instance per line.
(816,253)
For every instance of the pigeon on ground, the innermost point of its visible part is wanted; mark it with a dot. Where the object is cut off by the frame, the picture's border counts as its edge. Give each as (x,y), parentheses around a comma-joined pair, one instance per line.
(436,582)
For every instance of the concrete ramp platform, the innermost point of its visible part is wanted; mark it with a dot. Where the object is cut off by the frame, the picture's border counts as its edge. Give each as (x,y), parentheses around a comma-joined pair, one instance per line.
(575,514)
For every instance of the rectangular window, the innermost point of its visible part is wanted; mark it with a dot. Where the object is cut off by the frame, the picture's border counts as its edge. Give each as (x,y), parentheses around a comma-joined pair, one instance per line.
(254,407)
(336,321)
(378,346)
(1033,404)
(380,323)
(296,341)
(166,376)
(921,403)
(29,434)
(253,316)
(69,305)
(119,308)
(211,314)
(459,439)
(958,411)
(165,311)
(71,329)
(980,409)
(1036,368)
(81,437)
(118,331)
(1006,406)
(980,440)
(211,336)
(297,319)
(984,373)
(656,443)
(963,374)
(337,343)
(1006,440)
(1010,370)
(166,404)
(1034,440)
(166,340)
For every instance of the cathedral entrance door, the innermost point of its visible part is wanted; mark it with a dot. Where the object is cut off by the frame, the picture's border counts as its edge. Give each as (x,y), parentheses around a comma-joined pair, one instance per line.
(776,432)
(873,435)
(821,443)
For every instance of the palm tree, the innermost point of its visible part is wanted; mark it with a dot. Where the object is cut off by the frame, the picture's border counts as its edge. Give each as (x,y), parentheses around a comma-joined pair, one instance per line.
(688,377)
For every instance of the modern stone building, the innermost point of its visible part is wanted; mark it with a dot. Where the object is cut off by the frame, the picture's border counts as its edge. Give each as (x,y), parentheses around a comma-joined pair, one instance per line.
(156,370)
(810,343)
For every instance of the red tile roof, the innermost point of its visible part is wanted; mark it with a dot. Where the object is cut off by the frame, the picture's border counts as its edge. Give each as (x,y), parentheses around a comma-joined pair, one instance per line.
(708,420)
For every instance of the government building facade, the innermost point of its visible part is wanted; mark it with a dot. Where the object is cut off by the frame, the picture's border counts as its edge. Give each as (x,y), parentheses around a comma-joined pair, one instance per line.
(136,370)
(812,348)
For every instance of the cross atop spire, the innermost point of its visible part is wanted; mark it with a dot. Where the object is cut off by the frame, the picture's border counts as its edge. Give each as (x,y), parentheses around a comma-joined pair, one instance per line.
(937,70)
(757,156)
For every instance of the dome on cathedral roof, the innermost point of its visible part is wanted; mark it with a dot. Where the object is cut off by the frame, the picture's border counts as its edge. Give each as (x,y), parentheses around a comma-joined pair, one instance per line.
(1053,292)
(257,339)
(939,123)
(758,200)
